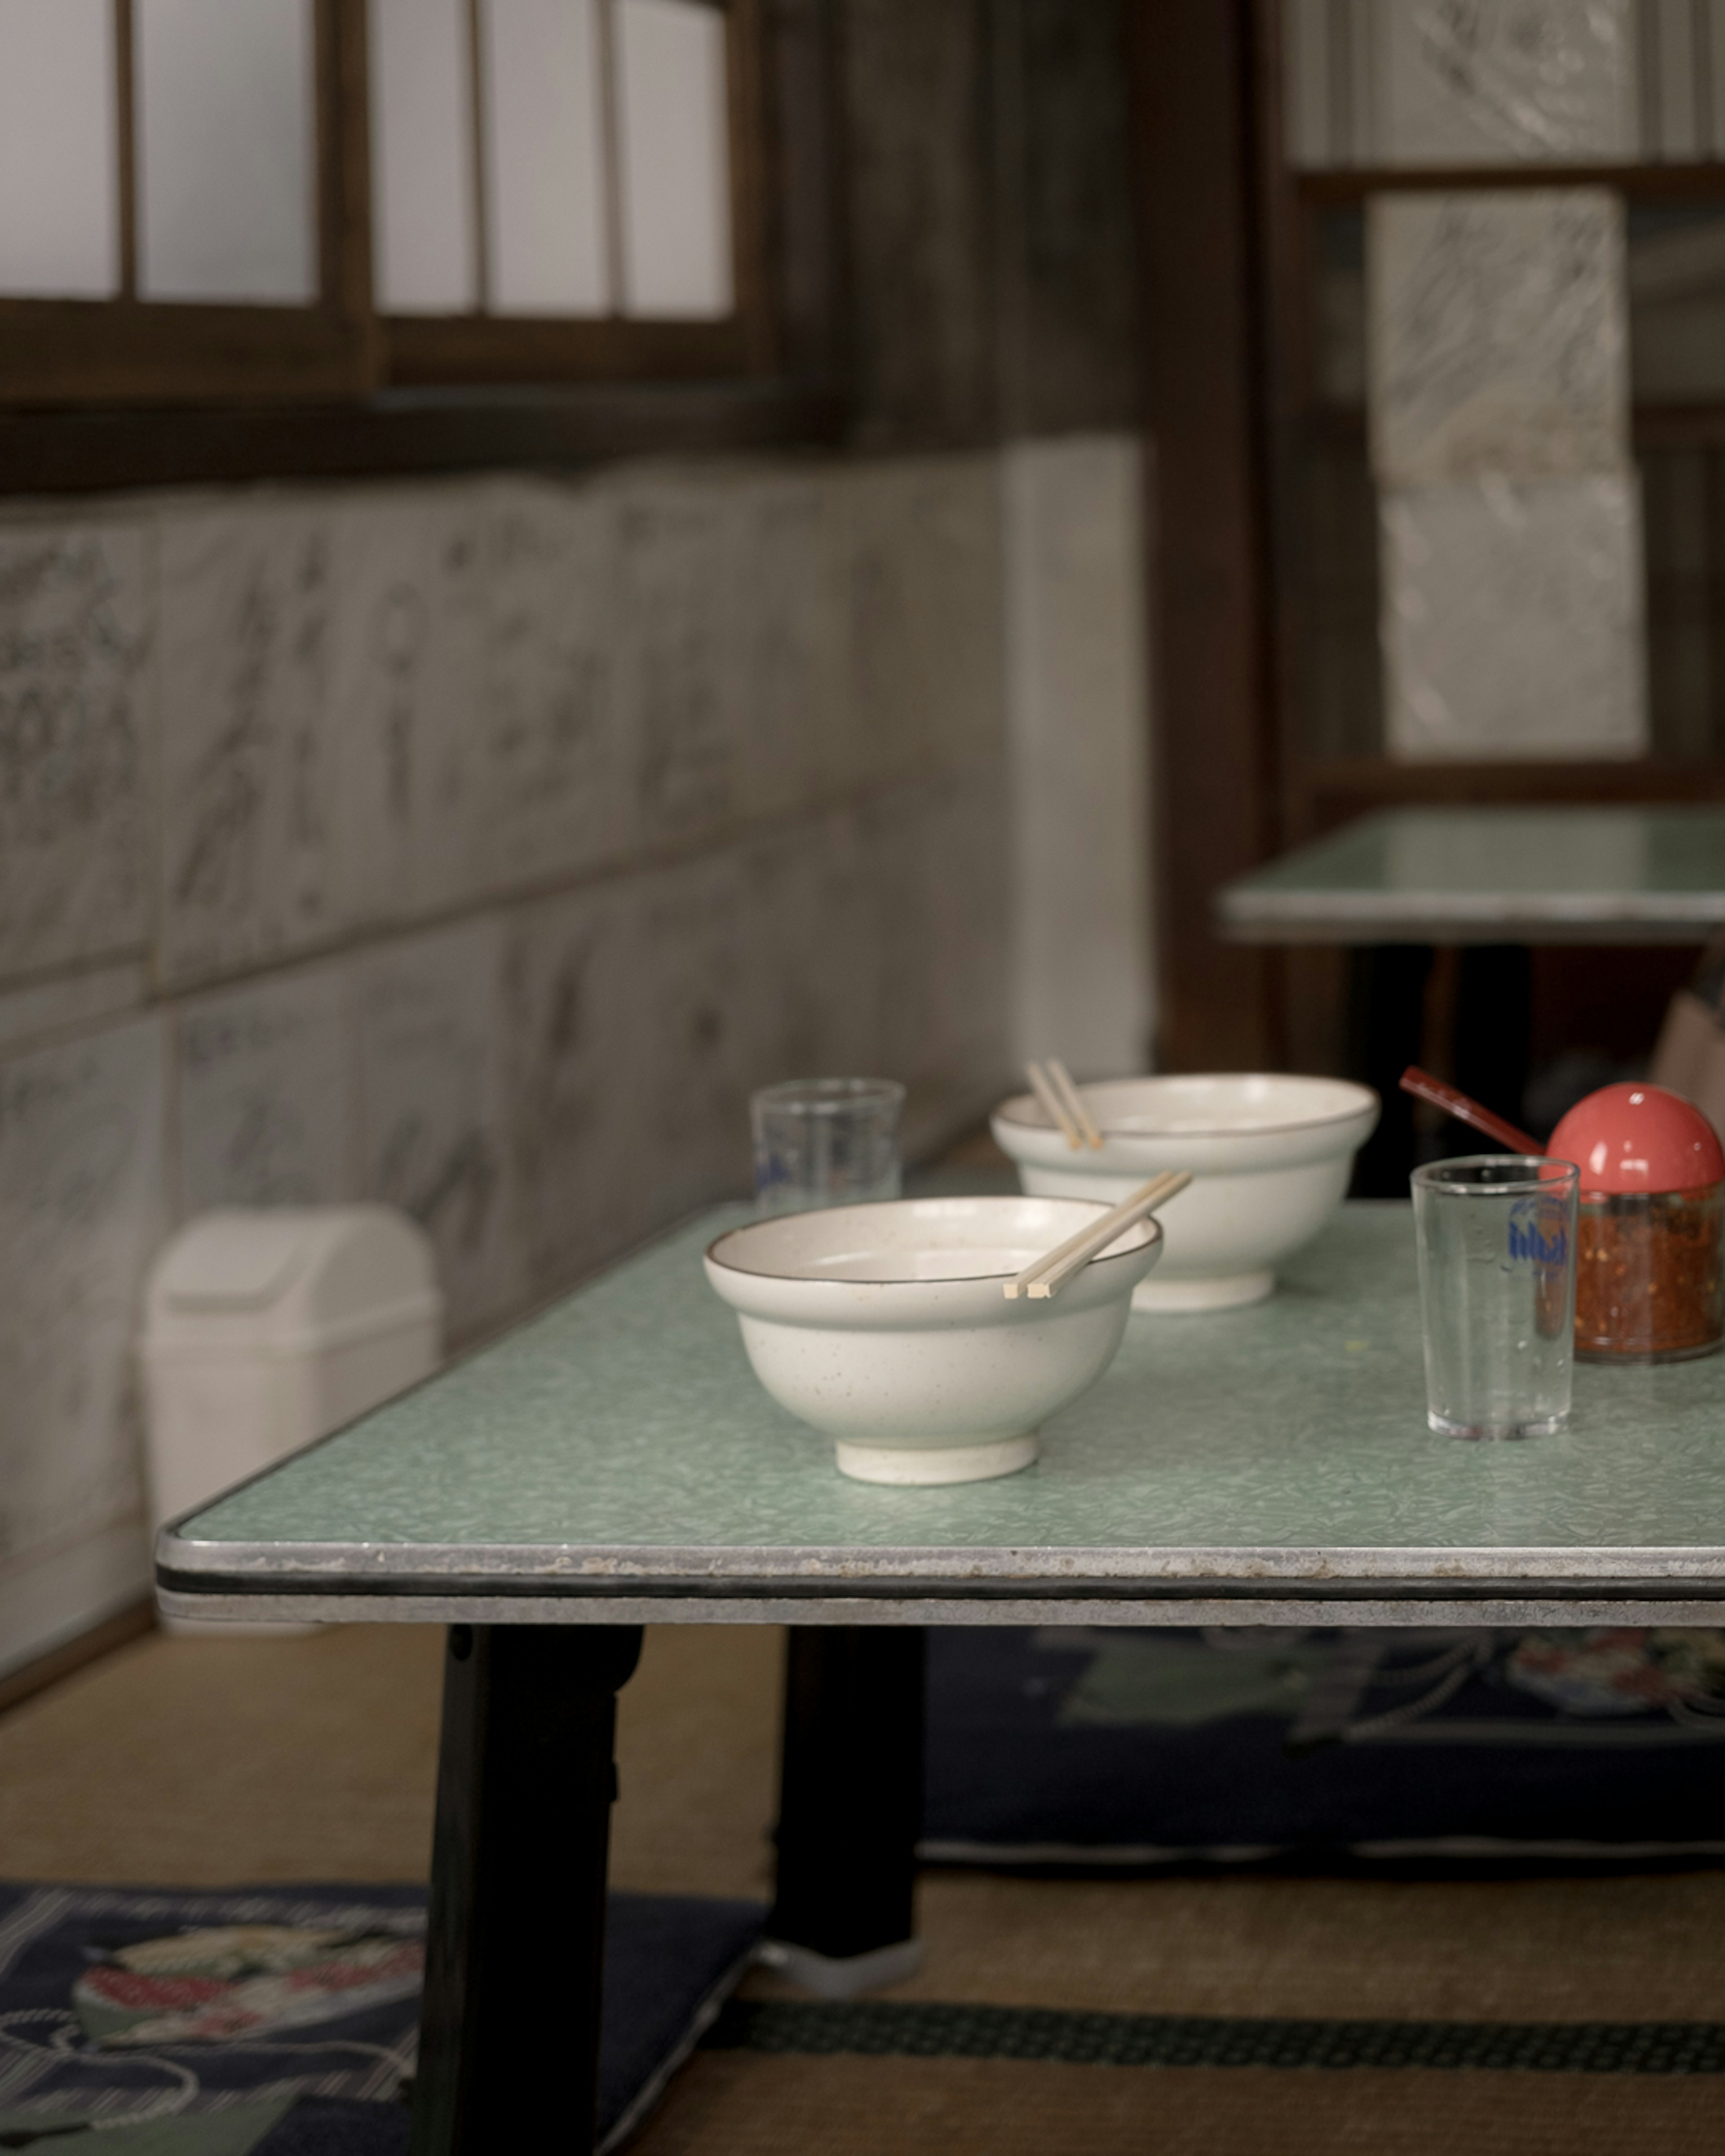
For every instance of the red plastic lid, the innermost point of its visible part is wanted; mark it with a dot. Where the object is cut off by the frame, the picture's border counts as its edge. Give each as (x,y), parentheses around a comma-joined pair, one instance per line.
(1639,1138)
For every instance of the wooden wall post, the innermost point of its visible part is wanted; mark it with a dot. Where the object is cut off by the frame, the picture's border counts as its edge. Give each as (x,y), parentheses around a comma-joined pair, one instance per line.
(1192,67)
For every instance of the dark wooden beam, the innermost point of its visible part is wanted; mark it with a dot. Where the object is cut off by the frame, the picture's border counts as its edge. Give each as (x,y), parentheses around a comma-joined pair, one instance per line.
(403,432)
(1193,66)
(1341,787)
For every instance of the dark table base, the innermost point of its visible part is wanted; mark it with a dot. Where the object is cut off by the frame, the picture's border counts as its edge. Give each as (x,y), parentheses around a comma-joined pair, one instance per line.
(850,1789)
(509,2029)
(509,2039)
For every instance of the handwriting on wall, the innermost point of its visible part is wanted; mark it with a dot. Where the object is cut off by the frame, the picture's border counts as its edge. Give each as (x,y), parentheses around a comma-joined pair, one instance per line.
(74,643)
(1499,334)
(553,786)
(248,766)
(573,996)
(919,573)
(266,1095)
(409,696)
(81,1212)
(1512,618)
(678,699)
(1495,81)
(433,1078)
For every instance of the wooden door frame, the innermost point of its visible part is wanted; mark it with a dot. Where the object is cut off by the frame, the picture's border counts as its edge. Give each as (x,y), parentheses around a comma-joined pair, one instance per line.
(1199,72)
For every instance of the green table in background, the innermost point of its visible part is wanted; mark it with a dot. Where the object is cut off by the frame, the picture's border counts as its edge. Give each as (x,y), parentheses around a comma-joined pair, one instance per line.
(1492,881)
(613,1463)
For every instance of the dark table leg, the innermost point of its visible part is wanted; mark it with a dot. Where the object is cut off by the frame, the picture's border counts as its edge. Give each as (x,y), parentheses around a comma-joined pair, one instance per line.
(850,1806)
(509,2033)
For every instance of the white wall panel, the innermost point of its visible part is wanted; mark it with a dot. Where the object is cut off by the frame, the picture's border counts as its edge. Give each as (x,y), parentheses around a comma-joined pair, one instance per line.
(248,769)
(433,1110)
(1512,621)
(1497,81)
(1498,334)
(266,1095)
(81,1212)
(76,623)
(1076,696)
(408,700)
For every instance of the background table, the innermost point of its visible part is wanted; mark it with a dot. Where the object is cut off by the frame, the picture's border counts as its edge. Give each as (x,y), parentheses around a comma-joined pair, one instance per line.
(615,1463)
(1486,875)
(1492,881)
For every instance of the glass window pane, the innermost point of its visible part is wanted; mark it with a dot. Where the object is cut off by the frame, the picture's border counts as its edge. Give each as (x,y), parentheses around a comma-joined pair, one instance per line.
(545,219)
(227,136)
(421,156)
(676,185)
(58,199)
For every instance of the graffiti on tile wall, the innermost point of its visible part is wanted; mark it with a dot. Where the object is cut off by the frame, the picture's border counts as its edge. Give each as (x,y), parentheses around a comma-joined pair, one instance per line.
(73,728)
(81,1210)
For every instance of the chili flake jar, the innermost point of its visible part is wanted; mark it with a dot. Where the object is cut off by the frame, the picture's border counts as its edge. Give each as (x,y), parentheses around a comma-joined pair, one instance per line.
(1649,1287)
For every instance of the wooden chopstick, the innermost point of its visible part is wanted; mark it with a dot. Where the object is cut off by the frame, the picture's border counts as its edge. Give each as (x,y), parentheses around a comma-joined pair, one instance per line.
(1054,1107)
(1074,1099)
(1044,1277)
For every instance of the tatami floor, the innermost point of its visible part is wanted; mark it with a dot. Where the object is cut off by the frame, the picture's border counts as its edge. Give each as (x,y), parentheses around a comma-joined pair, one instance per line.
(205,1761)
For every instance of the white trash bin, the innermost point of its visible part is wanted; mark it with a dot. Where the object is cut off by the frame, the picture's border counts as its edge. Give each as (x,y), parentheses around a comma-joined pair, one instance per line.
(265,1329)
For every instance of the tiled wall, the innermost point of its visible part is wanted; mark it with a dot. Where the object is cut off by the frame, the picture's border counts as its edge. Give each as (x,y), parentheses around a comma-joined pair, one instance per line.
(1457,82)
(477,846)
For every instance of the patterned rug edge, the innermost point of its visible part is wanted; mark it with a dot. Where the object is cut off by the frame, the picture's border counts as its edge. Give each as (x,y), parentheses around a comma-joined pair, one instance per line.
(896,2028)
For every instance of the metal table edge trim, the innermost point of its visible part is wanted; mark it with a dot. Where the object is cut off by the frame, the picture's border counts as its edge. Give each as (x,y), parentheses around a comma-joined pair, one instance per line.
(1509,1610)
(550,1569)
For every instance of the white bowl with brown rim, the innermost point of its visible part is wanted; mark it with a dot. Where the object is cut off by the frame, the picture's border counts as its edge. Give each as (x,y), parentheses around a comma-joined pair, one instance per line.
(887,1325)
(1270,1157)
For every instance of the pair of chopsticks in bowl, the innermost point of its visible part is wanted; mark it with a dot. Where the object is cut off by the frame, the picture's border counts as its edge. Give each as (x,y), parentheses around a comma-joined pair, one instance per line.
(1051,1082)
(1044,1277)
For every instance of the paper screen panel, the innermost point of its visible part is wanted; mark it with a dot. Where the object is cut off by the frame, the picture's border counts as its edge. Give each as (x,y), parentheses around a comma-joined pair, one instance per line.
(676,162)
(60,236)
(227,140)
(544,155)
(421,156)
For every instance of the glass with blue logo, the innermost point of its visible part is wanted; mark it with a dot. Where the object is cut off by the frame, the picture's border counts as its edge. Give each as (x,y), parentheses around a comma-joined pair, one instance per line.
(1496,1238)
(825,1141)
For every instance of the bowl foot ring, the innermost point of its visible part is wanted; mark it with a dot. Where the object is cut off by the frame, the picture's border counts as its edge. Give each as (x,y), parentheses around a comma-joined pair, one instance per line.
(909,1465)
(1179,1298)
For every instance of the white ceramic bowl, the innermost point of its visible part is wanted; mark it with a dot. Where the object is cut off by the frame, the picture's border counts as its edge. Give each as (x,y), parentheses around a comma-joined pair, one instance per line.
(1270,1158)
(886,1326)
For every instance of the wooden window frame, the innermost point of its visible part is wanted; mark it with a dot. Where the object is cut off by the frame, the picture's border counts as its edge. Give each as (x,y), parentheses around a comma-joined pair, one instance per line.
(420,349)
(147,351)
(59,355)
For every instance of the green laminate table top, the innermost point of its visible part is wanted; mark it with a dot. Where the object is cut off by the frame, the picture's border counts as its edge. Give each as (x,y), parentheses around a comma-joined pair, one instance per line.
(615,1456)
(1459,876)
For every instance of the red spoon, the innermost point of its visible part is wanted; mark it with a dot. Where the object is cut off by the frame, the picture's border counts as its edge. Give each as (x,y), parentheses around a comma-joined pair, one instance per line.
(1424,1087)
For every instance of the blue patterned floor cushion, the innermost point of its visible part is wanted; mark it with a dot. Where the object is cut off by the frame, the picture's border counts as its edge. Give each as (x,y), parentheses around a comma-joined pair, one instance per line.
(283,2021)
(1071,1746)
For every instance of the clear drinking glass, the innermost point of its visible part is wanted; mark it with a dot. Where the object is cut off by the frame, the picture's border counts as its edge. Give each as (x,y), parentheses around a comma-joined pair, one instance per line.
(825,1141)
(1497,1239)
